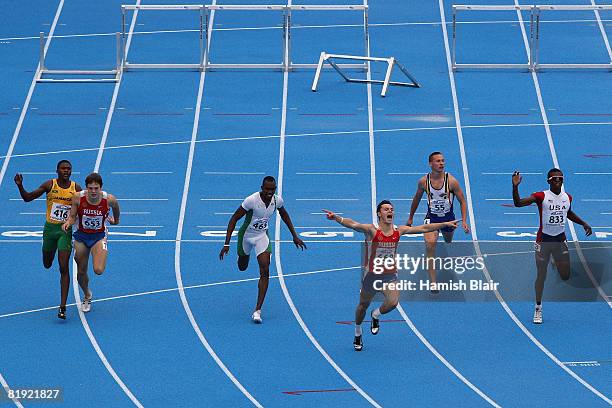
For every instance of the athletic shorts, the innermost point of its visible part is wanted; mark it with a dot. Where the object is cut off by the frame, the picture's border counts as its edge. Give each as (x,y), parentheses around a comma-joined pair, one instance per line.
(54,238)
(372,281)
(249,242)
(89,239)
(552,245)
(433,218)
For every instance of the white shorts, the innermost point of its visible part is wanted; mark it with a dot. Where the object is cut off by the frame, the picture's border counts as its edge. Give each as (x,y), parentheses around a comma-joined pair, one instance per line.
(248,242)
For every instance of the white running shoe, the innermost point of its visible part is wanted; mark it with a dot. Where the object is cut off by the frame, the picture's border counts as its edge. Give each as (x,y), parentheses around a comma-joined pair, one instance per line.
(256,317)
(537,315)
(86,303)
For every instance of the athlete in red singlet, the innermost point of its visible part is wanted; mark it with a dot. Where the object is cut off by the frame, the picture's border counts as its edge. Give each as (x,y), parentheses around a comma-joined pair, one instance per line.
(382,243)
(554,207)
(92,208)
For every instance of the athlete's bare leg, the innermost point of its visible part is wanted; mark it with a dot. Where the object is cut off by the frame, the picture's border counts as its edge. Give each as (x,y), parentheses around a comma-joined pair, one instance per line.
(263,260)
(365,298)
(243,262)
(431,239)
(63,258)
(48,257)
(391,300)
(81,256)
(448,236)
(99,254)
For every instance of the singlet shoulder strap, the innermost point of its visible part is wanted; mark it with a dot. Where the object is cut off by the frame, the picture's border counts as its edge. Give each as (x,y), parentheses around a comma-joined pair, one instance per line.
(428,187)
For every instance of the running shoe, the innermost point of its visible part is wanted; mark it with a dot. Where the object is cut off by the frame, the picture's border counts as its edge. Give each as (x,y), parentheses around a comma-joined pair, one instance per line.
(357,343)
(86,304)
(374,325)
(61,313)
(256,317)
(537,315)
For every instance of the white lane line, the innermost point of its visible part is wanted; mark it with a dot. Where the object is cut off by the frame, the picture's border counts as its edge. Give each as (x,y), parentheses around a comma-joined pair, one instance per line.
(277,252)
(52,173)
(203,285)
(406,173)
(594,174)
(141,172)
(221,199)
(596,199)
(7,388)
(223,213)
(21,199)
(179,234)
(32,213)
(239,173)
(326,173)
(606,213)
(75,284)
(26,104)
(553,153)
(509,173)
(400,309)
(326,199)
(603,31)
(349,133)
(520,213)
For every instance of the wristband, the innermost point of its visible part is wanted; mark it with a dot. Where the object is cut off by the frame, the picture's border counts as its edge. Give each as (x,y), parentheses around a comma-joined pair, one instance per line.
(226,245)
(341,219)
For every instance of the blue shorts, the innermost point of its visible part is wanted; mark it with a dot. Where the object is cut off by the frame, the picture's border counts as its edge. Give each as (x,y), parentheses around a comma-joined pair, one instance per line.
(88,239)
(372,282)
(433,218)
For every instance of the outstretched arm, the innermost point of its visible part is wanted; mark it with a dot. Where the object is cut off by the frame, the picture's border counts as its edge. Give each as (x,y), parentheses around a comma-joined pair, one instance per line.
(416,200)
(426,227)
(572,216)
(31,195)
(349,223)
(238,214)
(518,201)
(287,220)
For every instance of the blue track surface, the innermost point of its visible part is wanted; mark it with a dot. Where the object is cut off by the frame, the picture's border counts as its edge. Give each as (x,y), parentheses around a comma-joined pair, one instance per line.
(179,174)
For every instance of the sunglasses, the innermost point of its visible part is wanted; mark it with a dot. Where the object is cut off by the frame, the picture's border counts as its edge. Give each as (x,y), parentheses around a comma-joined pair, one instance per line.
(555,178)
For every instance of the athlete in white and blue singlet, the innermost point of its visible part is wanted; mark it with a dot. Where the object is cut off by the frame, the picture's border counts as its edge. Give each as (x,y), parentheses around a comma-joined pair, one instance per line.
(441,188)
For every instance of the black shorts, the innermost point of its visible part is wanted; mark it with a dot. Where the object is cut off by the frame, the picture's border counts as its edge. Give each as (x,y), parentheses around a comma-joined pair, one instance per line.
(372,282)
(433,218)
(549,245)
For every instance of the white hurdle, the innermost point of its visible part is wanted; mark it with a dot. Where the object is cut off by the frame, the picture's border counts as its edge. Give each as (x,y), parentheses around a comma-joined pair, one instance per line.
(391,62)
(73,74)
(535,12)
(204,13)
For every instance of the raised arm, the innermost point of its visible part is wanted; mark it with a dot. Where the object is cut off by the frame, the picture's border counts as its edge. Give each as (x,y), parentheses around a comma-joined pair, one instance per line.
(455,188)
(287,220)
(32,195)
(416,200)
(404,229)
(238,214)
(114,204)
(367,229)
(518,201)
(76,198)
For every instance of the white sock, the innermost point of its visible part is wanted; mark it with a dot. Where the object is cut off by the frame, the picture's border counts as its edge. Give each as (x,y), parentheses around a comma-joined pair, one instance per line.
(376,313)
(357,330)
(539,306)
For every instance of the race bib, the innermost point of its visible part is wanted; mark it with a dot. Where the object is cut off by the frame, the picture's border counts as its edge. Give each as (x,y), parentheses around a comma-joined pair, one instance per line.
(260,224)
(438,207)
(92,222)
(59,212)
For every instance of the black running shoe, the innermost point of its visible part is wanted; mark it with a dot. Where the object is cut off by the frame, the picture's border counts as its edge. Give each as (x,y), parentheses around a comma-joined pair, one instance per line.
(357,343)
(374,325)
(61,313)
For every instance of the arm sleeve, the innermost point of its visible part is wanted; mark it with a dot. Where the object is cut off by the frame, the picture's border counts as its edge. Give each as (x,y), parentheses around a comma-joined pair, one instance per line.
(247,204)
(280,203)
(539,196)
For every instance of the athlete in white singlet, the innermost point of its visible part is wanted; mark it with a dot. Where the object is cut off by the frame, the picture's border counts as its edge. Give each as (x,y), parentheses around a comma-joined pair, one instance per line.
(554,207)
(381,242)
(259,208)
(441,189)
